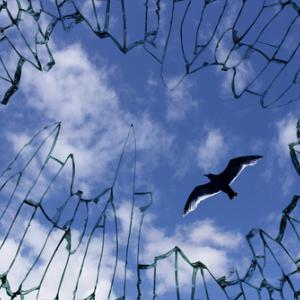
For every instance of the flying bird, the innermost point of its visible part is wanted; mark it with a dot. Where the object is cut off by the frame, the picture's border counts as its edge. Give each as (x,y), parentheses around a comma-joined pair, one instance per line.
(220,182)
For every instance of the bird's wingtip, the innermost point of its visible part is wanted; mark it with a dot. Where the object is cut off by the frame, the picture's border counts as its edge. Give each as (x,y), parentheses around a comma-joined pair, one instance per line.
(258,157)
(255,159)
(186,212)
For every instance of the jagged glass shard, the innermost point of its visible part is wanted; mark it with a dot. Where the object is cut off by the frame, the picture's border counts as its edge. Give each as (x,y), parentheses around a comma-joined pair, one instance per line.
(256,42)
(54,242)
(57,244)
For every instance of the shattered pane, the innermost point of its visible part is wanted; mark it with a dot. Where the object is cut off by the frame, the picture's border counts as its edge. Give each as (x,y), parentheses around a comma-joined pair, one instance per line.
(184,37)
(57,244)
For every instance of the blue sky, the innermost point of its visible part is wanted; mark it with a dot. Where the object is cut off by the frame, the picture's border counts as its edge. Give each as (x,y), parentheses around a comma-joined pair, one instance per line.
(181,134)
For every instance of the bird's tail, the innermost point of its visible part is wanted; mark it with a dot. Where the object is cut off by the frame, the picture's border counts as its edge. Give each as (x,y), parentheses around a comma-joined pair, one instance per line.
(231,196)
(230,192)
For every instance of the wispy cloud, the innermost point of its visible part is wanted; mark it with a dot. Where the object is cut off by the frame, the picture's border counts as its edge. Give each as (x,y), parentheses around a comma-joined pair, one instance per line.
(231,57)
(201,241)
(278,159)
(32,246)
(211,150)
(95,122)
(286,134)
(180,101)
(207,153)
(30,250)
(213,244)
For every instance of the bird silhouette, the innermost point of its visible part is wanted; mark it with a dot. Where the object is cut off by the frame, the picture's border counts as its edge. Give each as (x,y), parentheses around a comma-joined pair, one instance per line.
(220,182)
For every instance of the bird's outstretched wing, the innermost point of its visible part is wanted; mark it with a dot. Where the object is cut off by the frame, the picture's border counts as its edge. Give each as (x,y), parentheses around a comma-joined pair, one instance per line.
(236,166)
(199,193)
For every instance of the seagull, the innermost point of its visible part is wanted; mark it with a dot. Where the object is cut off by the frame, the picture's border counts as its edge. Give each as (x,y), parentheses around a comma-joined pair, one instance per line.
(220,182)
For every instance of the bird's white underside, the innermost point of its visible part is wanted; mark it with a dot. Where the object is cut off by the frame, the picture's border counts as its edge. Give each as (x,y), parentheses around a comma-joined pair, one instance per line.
(234,178)
(195,203)
(254,162)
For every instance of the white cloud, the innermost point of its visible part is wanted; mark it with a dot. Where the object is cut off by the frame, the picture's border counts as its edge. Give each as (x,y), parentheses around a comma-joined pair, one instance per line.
(124,213)
(200,241)
(286,134)
(94,127)
(23,38)
(37,235)
(32,246)
(17,140)
(243,68)
(152,82)
(211,150)
(94,122)
(180,101)
(279,157)
(286,130)
(30,184)
(234,58)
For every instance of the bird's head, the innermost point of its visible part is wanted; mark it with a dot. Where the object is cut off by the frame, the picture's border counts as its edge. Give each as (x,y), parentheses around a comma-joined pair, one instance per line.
(209,176)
